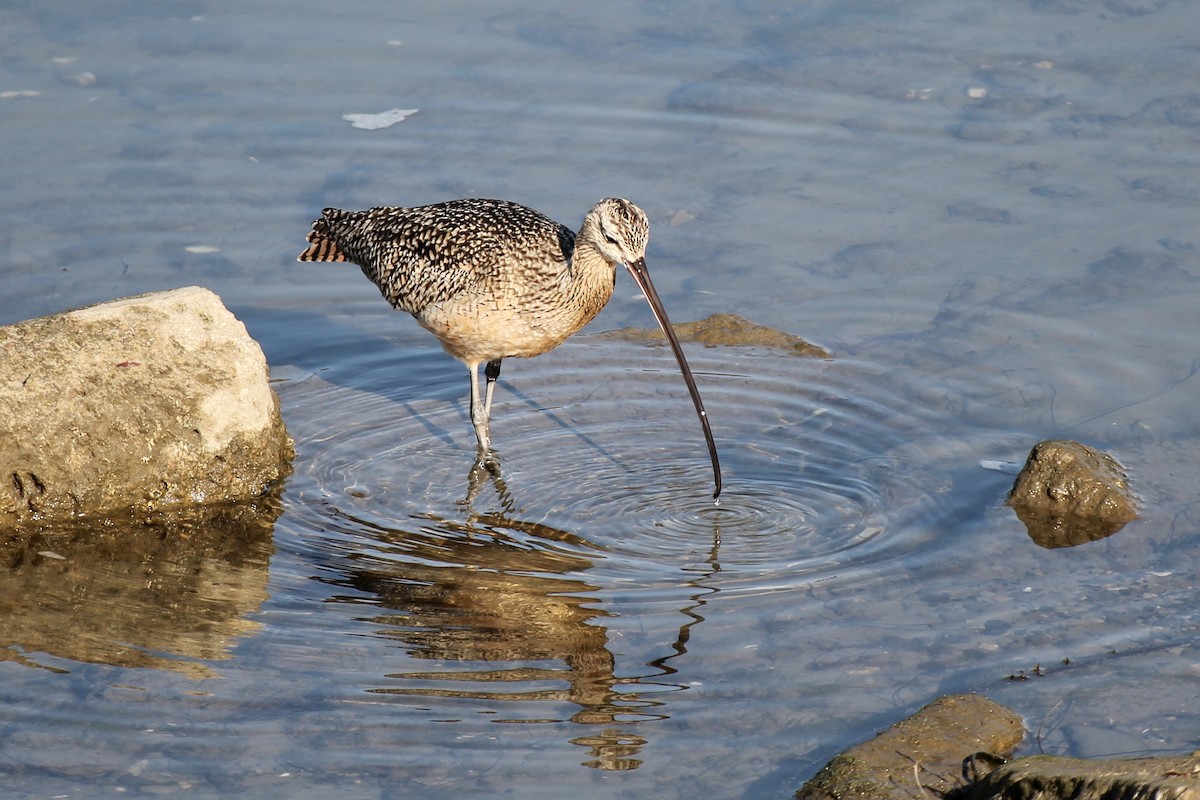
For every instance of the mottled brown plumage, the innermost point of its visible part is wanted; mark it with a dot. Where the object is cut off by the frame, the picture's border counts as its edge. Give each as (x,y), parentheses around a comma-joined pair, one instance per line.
(493,279)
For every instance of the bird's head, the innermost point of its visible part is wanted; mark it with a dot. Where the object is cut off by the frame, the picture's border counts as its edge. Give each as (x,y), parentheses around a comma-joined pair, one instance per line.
(619,230)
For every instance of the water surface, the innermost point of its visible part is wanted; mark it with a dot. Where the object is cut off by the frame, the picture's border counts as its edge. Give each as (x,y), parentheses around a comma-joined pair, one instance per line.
(985,212)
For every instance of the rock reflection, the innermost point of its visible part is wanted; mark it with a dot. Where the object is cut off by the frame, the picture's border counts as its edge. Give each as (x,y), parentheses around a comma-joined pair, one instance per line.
(167,592)
(1054,530)
(499,602)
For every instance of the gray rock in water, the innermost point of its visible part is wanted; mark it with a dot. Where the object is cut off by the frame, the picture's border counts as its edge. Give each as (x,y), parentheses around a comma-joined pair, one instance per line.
(139,404)
(1057,778)
(1069,493)
(920,757)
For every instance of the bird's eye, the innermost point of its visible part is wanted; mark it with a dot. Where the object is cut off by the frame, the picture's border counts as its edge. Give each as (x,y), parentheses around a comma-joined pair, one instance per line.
(609,239)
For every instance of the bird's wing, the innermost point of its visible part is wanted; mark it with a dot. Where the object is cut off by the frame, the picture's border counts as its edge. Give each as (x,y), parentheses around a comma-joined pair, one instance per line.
(429,254)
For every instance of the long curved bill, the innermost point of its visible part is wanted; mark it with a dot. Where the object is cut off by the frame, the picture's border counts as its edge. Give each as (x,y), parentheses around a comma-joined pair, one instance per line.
(642,276)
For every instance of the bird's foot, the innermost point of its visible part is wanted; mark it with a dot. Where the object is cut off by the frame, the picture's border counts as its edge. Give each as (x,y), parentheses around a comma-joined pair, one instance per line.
(486,470)
(487,459)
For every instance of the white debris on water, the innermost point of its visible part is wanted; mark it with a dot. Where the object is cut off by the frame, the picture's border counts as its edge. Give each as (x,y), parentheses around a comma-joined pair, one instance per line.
(384,119)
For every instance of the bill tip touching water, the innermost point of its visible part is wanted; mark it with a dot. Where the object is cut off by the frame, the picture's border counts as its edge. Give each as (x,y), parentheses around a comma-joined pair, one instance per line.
(492,279)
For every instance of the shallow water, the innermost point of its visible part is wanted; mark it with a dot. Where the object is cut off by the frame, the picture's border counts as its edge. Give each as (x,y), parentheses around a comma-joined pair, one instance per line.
(986,212)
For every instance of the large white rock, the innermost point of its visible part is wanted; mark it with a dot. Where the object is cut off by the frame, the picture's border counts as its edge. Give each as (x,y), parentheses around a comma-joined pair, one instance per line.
(143,403)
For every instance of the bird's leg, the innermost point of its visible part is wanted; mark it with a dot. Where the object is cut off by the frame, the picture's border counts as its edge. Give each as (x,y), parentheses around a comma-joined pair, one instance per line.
(479,415)
(492,373)
(485,456)
(488,456)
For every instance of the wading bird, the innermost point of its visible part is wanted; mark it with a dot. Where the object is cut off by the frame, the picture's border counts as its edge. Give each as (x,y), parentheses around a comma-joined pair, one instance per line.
(493,279)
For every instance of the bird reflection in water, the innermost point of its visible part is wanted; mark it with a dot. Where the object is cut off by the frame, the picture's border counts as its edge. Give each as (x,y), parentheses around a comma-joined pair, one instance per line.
(502,603)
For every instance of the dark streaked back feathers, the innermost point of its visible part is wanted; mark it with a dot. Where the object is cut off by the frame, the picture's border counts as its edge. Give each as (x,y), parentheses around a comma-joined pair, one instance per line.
(425,254)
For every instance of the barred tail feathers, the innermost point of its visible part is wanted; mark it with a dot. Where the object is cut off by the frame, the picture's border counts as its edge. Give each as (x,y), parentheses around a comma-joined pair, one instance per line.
(322,246)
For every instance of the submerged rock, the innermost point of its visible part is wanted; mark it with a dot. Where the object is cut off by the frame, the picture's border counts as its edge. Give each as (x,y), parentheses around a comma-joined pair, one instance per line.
(1069,494)
(138,404)
(726,329)
(919,757)
(1058,778)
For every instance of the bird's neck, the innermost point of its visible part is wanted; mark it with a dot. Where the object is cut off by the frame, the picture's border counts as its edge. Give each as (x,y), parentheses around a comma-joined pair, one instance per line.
(589,279)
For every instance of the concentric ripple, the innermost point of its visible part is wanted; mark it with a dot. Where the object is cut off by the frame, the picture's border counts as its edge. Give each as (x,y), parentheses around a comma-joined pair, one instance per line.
(598,441)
